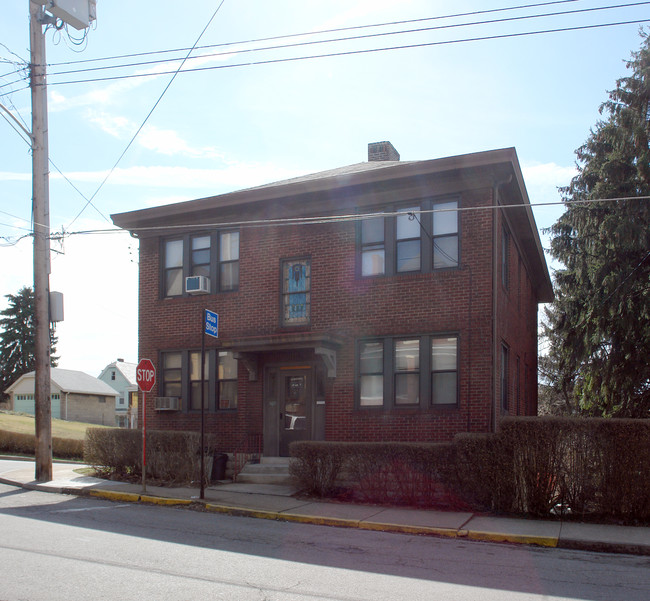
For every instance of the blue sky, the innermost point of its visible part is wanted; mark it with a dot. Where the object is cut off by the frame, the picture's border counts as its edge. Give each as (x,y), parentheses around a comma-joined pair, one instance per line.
(230,127)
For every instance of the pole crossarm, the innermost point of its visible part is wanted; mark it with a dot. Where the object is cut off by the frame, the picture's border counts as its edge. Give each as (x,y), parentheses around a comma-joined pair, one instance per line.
(19,124)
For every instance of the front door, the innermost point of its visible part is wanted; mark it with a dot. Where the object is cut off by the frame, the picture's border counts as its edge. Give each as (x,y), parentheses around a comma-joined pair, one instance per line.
(288,407)
(295,401)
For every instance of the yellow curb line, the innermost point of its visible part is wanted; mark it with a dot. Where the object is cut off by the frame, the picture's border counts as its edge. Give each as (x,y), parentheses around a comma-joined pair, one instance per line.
(115,496)
(499,537)
(135,498)
(164,500)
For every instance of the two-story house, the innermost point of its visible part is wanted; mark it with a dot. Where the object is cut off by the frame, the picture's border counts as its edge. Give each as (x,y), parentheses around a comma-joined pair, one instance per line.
(120,375)
(386,300)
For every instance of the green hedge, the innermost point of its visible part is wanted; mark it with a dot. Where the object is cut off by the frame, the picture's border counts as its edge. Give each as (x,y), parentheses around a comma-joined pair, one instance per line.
(172,457)
(578,467)
(24,444)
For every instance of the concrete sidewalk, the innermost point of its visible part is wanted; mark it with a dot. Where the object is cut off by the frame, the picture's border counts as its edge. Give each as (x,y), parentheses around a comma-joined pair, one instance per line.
(277,503)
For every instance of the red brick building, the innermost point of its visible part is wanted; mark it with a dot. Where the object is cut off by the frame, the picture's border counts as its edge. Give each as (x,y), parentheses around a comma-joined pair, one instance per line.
(385,300)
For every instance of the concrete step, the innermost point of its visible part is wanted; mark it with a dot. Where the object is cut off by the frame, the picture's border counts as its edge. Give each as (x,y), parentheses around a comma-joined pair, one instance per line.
(271,470)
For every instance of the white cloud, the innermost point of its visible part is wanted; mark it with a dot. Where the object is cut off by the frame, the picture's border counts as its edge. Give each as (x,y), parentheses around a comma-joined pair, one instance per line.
(168,142)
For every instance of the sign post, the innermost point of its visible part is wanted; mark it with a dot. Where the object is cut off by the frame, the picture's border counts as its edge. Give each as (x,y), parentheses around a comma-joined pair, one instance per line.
(211,328)
(145,376)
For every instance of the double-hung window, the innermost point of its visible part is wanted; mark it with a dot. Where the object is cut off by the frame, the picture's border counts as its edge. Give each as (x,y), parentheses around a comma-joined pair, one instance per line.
(445,234)
(182,377)
(213,255)
(505,374)
(444,370)
(414,371)
(407,372)
(373,253)
(371,373)
(407,240)
(172,374)
(197,384)
(173,272)
(416,238)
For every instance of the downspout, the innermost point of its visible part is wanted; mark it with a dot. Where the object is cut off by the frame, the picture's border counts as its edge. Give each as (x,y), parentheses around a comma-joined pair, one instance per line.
(495,305)
(66,406)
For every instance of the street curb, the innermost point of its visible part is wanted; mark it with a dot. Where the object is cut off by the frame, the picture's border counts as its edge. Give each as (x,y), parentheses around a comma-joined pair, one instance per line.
(522,539)
(493,537)
(130,497)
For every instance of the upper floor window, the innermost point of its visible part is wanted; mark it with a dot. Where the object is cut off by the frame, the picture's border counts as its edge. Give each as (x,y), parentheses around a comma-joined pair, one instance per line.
(445,235)
(407,240)
(296,292)
(214,256)
(505,255)
(418,238)
(373,253)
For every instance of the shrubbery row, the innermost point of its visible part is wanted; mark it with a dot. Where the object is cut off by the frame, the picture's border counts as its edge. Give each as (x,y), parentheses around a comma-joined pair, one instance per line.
(172,457)
(24,444)
(532,466)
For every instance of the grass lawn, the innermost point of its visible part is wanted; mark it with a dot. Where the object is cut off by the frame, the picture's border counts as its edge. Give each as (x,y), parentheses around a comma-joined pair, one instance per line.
(24,424)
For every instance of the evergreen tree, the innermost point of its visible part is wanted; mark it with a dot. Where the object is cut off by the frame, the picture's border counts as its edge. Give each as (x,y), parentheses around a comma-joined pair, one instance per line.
(599,325)
(17,338)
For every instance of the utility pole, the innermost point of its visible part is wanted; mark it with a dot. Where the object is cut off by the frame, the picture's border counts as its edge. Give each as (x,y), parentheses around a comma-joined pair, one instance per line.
(41,218)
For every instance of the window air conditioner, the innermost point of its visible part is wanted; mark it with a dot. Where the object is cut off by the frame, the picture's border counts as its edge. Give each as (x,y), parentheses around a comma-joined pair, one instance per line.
(197,284)
(167,403)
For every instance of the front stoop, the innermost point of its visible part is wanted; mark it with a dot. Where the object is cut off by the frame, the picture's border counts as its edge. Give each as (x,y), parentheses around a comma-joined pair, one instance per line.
(271,470)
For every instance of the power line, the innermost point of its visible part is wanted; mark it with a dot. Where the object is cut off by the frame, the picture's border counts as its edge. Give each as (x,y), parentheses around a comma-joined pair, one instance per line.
(325,219)
(318,32)
(354,52)
(135,135)
(350,38)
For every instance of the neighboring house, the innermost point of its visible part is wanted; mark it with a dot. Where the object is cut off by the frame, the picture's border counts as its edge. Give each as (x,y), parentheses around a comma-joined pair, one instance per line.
(381,301)
(120,375)
(75,397)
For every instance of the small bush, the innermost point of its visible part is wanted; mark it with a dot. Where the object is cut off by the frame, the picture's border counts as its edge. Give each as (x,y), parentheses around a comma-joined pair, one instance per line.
(316,466)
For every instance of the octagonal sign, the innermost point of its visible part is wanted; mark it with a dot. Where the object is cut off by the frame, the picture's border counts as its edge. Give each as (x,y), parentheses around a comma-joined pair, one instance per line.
(145,375)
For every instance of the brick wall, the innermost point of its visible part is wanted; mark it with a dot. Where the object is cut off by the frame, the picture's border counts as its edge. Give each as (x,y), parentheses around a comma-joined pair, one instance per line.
(455,301)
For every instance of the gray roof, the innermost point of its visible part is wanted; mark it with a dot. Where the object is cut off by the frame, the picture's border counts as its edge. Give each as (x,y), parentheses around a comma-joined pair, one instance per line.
(69,380)
(334,173)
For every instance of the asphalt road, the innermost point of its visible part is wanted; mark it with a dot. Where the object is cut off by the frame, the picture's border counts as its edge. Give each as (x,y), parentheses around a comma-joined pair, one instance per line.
(56,547)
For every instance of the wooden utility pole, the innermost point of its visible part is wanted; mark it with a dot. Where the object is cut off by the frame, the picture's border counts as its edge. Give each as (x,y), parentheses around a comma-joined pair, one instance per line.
(41,218)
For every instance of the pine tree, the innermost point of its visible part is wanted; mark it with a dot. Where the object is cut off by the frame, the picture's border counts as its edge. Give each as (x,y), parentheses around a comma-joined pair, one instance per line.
(17,338)
(599,324)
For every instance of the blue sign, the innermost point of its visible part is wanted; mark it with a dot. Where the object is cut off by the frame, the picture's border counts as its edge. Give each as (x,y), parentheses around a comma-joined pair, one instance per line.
(211,323)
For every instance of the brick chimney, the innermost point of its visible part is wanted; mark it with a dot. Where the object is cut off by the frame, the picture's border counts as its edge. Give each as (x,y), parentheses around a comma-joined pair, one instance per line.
(382,151)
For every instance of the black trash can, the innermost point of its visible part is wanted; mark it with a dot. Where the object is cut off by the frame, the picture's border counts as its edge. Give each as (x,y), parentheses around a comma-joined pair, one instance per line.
(219,462)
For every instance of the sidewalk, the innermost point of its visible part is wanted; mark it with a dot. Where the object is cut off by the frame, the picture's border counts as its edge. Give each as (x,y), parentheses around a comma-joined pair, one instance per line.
(276,503)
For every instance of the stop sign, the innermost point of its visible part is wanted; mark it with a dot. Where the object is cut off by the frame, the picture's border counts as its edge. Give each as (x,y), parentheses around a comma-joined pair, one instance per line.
(145,375)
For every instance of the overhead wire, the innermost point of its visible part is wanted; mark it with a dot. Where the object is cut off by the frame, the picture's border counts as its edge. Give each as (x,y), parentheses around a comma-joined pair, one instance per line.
(350,38)
(356,52)
(325,219)
(135,135)
(317,32)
